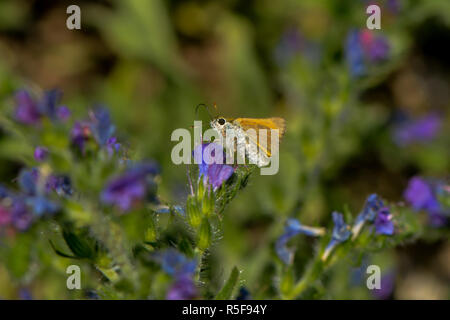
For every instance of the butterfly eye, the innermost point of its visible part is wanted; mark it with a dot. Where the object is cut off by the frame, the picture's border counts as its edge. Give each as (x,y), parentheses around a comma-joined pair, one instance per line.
(221,121)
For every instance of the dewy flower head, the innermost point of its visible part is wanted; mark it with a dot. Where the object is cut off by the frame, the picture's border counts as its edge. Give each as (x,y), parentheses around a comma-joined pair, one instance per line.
(293,227)
(383,222)
(130,187)
(341,232)
(210,158)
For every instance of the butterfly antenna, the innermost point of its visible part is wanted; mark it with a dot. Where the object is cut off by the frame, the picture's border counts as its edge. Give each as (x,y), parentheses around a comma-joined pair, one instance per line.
(206,107)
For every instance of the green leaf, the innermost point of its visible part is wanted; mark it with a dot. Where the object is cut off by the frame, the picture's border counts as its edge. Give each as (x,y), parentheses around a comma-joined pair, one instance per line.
(78,246)
(60,253)
(227,290)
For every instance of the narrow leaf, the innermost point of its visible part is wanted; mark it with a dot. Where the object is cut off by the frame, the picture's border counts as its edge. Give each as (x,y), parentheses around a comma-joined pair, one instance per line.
(227,290)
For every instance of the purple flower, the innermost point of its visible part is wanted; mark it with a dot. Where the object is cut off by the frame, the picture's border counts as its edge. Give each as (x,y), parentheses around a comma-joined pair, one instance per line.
(30,111)
(420,130)
(387,284)
(182,269)
(376,48)
(21,218)
(341,232)
(383,222)
(420,194)
(60,184)
(364,48)
(63,113)
(130,187)
(27,110)
(80,134)
(210,158)
(40,153)
(182,289)
(293,228)
(112,146)
(99,127)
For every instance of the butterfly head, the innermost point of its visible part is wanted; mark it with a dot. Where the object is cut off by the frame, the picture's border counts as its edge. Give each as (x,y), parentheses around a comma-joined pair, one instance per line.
(220,124)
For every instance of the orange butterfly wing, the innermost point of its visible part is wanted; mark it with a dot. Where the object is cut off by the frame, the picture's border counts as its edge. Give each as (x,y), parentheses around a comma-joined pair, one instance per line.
(268,123)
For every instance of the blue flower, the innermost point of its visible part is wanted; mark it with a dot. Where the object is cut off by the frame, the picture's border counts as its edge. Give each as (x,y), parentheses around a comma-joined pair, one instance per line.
(369,212)
(182,289)
(35,194)
(383,222)
(41,205)
(101,125)
(175,263)
(341,232)
(210,158)
(40,153)
(293,227)
(130,187)
(354,54)
(28,180)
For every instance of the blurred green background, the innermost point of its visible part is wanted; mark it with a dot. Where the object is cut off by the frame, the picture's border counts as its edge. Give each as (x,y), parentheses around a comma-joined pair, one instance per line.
(152,62)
